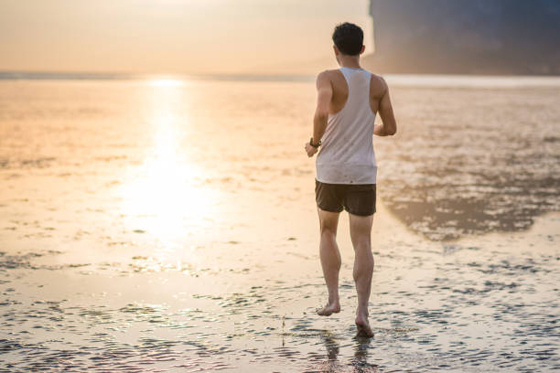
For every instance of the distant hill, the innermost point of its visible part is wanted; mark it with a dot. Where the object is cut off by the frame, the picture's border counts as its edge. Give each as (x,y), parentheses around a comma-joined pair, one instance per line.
(466,37)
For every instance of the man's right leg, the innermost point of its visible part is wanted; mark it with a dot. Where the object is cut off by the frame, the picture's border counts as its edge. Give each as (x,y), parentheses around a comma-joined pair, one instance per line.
(330,259)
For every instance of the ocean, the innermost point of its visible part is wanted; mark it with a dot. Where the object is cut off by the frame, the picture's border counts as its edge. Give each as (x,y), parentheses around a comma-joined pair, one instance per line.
(164,222)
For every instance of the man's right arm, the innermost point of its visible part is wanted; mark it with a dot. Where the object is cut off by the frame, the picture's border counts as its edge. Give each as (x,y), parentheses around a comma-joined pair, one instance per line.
(324,97)
(389,126)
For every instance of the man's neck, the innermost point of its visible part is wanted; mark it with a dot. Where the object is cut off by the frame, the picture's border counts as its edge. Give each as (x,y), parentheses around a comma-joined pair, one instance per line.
(349,61)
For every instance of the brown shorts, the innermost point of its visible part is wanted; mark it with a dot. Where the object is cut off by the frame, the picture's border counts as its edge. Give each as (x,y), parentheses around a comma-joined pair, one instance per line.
(357,199)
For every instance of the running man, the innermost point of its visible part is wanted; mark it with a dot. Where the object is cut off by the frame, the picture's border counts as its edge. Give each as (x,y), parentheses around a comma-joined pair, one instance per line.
(343,127)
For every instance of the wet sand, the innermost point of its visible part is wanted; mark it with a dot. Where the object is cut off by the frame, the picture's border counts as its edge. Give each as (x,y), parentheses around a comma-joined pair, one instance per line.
(474,305)
(129,242)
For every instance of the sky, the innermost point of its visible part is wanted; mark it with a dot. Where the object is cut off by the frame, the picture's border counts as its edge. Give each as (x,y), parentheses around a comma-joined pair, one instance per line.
(175,36)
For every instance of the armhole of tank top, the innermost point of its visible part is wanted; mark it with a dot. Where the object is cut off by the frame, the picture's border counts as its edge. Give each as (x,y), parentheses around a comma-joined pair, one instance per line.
(369,94)
(347,98)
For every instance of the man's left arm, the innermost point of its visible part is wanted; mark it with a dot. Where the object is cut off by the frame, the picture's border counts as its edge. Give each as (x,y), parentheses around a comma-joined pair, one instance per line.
(324,97)
(389,126)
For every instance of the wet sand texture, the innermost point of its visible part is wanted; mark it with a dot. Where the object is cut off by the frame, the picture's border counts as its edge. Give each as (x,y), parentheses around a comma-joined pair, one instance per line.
(152,226)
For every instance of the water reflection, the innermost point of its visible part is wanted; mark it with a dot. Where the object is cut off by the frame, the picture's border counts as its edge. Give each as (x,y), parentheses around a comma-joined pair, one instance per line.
(457,168)
(163,196)
(358,364)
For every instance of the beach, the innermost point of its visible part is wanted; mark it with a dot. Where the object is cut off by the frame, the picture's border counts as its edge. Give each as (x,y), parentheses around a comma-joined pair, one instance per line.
(169,224)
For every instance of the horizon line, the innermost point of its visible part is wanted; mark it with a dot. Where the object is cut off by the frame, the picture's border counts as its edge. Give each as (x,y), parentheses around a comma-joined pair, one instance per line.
(395,79)
(120,75)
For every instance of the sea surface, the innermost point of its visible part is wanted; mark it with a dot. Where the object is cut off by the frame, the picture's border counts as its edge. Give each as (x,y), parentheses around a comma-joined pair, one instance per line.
(168,224)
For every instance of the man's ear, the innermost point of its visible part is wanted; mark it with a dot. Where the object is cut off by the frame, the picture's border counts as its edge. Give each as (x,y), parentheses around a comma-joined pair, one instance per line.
(363,49)
(336,50)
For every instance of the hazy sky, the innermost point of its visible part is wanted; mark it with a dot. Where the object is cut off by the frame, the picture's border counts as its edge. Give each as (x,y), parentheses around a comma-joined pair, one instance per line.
(174,36)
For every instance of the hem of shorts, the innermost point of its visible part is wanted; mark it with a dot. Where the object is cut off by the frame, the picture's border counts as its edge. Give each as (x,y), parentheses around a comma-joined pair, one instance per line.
(324,209)
(364,215)
(346,183)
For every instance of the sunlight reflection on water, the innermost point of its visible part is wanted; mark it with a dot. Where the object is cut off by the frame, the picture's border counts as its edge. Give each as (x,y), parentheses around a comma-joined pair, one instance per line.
(162,196)
(165,82)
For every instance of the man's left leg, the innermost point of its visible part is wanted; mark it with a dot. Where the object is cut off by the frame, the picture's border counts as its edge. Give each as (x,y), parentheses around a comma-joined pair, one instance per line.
(330,259)
(360,232)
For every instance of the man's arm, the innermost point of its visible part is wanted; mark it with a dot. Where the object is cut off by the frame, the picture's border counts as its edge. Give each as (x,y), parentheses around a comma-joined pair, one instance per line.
(389,126)
(324,97)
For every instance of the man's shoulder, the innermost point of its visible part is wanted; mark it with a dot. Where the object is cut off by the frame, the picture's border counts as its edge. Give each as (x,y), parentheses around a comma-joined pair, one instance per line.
(378,84)
(377,79)
(328,74)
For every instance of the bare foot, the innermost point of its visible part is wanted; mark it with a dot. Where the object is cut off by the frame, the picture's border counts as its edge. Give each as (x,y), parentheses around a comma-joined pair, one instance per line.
(329,309)
(364,330)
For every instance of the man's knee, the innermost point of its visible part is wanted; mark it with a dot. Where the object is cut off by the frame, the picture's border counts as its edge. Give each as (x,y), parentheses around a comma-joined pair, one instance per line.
(328,230)
(328,222)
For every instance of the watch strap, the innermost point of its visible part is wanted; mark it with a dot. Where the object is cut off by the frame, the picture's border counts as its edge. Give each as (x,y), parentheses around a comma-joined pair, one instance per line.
(314,145)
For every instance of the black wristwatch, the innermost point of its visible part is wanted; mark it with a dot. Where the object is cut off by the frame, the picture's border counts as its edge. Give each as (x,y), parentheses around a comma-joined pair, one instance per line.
(314,145)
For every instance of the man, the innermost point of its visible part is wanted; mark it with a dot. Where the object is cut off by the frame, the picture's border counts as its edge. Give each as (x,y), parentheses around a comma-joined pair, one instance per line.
(348,100)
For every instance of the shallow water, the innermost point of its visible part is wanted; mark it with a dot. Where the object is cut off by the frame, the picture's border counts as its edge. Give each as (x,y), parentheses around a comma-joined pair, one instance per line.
(153,225)
(474,159)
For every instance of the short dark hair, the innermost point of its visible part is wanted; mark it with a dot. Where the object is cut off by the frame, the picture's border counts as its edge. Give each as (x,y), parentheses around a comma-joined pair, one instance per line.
(348,38)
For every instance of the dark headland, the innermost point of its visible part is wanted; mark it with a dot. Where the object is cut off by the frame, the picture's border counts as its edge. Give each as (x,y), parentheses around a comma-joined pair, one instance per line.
(489,37)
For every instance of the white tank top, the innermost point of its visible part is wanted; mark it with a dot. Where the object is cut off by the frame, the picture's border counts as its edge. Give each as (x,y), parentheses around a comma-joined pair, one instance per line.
(347,155)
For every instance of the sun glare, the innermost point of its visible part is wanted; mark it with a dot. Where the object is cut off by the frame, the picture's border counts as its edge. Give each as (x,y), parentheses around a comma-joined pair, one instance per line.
(162,197)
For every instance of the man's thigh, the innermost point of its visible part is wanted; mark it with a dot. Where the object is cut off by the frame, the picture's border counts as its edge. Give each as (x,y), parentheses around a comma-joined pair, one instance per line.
(328,220)
(360,229)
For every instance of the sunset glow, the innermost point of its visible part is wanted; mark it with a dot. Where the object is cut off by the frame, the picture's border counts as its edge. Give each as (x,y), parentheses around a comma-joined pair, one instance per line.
(174,36)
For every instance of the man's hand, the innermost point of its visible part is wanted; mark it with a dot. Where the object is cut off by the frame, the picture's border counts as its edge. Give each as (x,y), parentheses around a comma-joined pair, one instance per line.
(311,150)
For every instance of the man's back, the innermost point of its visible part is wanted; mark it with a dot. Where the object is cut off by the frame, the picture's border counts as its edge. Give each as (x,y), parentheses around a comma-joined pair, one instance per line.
(377,90)
(347,155)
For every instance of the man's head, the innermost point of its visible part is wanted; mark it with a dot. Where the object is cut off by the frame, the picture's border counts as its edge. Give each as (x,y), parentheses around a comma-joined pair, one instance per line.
(348,39)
